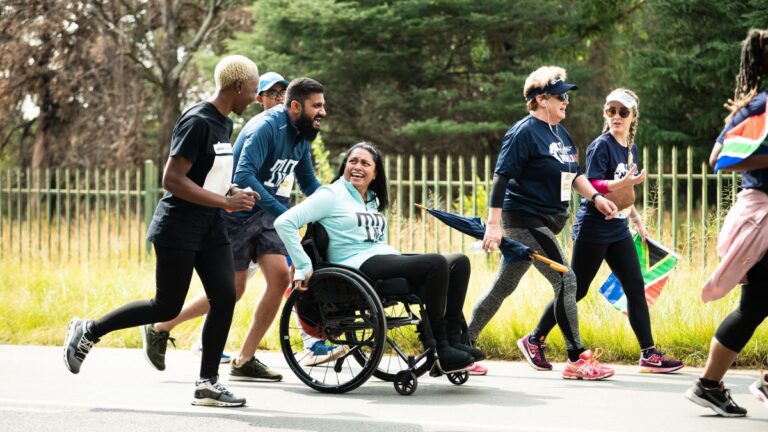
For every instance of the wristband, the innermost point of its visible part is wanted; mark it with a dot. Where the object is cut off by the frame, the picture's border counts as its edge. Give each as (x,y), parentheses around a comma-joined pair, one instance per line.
(597,194)
(635,219)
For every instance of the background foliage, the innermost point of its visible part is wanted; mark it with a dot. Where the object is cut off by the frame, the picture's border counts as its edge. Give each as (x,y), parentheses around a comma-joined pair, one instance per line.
(98,83)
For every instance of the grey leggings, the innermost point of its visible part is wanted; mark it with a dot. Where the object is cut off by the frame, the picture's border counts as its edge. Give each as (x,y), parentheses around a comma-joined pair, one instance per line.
(542,240)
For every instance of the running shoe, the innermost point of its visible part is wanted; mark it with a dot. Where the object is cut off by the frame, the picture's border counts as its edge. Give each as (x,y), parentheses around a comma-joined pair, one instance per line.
(587,367)
(77,344)
(654,361)
(253,370)
(210,392)
(718,399)
(321,352)
(477,369)
(534,353)
(759,388)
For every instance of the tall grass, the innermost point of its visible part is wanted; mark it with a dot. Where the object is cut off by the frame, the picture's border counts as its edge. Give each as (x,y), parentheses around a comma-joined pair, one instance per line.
(38,296)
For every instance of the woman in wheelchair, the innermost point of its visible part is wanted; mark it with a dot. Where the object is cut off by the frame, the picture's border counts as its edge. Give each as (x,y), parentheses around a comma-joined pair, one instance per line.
(350,210)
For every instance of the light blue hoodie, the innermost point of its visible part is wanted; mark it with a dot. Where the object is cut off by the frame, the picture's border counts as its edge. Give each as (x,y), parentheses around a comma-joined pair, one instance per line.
(356,230)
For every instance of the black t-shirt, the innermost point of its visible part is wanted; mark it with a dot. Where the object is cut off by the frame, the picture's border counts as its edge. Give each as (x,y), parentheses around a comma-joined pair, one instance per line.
(606,160)
(201,135)
(756,179)
(541,163)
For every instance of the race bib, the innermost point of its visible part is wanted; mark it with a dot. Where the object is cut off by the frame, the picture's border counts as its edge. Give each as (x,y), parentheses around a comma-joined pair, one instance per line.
(566,180)
(219,177)
(286,186)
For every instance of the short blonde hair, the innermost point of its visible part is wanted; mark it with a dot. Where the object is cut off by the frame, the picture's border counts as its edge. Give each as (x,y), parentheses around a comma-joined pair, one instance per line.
(234,68)
(538,79)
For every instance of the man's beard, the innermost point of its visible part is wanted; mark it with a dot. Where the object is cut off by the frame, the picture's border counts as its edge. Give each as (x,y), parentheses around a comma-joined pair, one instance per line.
(304,125)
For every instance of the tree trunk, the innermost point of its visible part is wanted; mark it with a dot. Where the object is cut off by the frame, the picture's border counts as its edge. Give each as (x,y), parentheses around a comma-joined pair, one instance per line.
(170,112)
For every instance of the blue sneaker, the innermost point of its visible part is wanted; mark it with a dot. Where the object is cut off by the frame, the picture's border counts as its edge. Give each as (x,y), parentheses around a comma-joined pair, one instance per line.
(320,353)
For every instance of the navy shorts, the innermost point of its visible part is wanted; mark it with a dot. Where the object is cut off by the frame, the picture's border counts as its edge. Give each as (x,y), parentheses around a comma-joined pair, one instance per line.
(253,236)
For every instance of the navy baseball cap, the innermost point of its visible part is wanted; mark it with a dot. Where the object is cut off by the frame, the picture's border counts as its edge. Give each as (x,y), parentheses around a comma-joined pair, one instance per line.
(269,79)
(556,86)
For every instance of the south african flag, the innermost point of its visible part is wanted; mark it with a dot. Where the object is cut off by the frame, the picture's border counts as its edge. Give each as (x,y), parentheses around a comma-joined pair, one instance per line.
(742,140)
(656,263)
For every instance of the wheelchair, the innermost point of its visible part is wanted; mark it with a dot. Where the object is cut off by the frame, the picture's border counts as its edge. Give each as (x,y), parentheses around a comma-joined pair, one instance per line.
(380,325)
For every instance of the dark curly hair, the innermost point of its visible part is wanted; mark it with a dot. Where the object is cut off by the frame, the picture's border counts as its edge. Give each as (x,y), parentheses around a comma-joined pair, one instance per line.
(379,183)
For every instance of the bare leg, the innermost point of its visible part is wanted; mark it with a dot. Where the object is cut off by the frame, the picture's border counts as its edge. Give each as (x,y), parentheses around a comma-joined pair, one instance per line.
(719,361)
(199,306)
(275,271)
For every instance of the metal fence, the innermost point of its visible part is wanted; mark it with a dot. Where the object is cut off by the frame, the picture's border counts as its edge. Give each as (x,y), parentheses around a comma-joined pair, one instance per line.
(62,214)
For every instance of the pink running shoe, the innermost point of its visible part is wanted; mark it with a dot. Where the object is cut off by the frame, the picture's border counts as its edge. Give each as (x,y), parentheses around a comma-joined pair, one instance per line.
(534,353)
(653,361)
(587,367)
(477,369)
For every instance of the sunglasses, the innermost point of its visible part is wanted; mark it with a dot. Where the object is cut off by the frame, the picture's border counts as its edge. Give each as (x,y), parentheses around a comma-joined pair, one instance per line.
(274,94)
(624,112)
(561,97)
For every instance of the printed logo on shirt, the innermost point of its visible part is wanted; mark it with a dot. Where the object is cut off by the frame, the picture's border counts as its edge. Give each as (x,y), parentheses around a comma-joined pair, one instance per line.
(621,171)
(562,153)
(374,224)
(280,171)
(221,148)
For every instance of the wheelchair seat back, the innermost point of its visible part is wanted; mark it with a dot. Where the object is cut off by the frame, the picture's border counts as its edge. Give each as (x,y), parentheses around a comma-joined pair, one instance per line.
(315,244)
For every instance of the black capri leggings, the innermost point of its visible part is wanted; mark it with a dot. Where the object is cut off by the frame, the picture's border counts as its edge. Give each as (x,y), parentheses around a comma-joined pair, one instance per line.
(441,280)
(739,326)
(621,257)
(173,274)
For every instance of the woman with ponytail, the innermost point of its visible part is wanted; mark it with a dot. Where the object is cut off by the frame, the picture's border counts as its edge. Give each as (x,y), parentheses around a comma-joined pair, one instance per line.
(612,169)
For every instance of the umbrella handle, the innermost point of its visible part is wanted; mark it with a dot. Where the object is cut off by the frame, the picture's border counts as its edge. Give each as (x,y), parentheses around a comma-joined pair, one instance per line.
(556,266)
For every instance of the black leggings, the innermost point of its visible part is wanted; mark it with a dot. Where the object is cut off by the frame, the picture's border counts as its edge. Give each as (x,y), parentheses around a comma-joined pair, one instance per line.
(739,326)
(173,274)
(621,257)
(440,279)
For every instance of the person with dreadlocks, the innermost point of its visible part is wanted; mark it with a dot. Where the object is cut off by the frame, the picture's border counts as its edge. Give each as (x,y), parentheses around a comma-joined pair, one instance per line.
(743,240)
(612,168)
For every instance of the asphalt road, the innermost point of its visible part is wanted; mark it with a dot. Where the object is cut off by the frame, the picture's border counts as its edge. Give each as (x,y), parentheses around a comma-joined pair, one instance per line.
(117,390)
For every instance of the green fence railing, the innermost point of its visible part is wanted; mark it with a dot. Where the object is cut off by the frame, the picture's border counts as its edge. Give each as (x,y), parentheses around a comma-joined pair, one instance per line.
(63,214)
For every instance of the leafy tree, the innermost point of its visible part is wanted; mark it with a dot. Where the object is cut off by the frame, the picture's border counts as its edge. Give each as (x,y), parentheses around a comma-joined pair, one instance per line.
(161,38)
(422,76)
(682,58)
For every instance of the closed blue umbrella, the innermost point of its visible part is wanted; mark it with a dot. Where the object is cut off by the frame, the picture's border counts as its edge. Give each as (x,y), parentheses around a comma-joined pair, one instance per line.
(512,250)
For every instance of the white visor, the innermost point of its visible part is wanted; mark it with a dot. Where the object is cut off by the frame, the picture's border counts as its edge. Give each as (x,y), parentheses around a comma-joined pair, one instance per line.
(621,97)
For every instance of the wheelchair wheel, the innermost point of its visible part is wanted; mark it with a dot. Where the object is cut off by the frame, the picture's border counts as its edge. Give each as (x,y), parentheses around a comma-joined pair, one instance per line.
(341,308)
(403,349)
(458,378)
(406,382)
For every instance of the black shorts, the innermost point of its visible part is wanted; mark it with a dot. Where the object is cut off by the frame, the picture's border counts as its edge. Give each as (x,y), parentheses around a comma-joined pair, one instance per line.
(253,236)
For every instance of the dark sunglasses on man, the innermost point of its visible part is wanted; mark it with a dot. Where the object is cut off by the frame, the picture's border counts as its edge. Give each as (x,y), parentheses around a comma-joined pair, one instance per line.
(611,111)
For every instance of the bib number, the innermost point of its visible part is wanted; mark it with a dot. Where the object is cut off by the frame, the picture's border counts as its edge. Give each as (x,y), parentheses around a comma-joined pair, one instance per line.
(566,180)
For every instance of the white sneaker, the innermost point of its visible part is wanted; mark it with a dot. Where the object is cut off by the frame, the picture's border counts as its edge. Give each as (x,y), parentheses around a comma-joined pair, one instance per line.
(211,393)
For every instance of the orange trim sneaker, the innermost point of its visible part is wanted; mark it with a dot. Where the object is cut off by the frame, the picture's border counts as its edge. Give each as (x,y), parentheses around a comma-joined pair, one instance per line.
(587,367)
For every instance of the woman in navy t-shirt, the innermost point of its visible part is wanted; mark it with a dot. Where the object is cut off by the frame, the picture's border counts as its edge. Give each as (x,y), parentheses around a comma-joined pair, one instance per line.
(612,169)
(739,326)
(536,170)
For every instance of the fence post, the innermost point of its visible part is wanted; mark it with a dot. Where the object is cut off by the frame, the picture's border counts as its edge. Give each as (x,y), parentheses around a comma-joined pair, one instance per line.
(660,192)
(149,200)
(704,203)
(689,202)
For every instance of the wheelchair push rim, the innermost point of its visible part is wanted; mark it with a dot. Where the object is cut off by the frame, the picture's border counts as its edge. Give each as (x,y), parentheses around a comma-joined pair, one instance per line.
(346,312)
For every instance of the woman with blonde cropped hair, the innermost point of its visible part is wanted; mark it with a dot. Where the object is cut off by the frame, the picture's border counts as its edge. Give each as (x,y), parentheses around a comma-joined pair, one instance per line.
(188,232)
(611,167)
(536,170)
